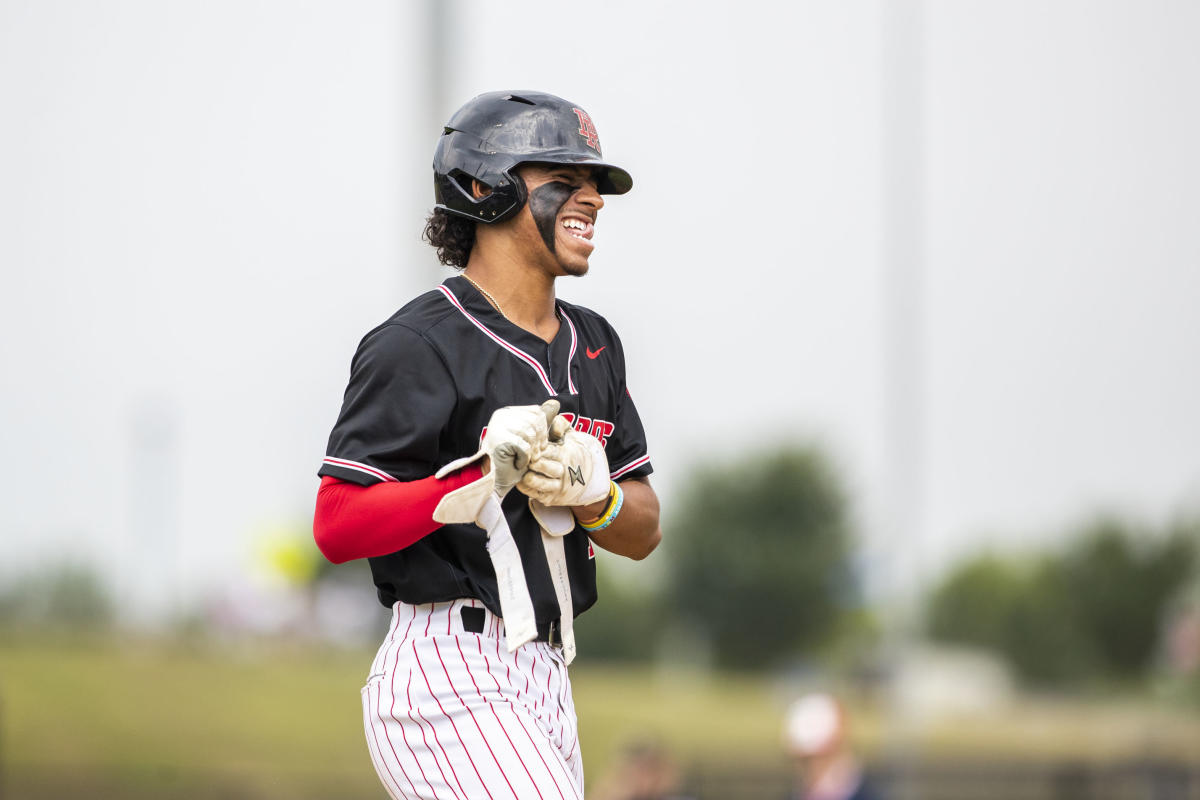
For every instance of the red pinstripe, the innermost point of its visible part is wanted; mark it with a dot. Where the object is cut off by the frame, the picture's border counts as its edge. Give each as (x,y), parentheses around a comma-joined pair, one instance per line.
(438,700)
(378,701)
(546,691)
(530,685)
(381,766)
(520,722)
(403,734)
(528,705)
(507,668)
(558,704)
(483,736)
(575,732)
(532,669)
(574,742)
(543,702)
(492,708)
(433,730)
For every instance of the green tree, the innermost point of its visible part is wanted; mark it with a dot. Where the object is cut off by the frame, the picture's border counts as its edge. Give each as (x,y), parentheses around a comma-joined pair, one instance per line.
(622,625)
(1120,580)
(759,556)
(974,604)
(1091,610)
(68,596)
(1013,607)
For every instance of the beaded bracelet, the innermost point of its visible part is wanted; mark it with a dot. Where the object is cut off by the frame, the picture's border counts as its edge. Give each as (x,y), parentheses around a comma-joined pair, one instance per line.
(616,498)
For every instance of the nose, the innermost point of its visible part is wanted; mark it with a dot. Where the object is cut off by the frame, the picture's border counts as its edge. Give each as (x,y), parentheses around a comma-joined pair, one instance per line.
(589,195)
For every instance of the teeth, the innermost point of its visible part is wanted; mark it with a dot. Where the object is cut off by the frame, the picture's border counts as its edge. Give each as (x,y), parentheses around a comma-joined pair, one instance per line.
(574,223)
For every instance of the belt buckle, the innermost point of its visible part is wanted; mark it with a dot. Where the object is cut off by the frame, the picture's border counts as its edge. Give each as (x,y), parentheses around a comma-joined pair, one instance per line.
(551,634)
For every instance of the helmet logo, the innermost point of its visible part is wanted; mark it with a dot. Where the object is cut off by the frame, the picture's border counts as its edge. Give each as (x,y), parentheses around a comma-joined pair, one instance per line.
(587,130)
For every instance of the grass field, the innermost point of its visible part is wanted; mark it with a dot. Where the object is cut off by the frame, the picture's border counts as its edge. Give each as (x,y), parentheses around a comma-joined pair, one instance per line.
(139,719)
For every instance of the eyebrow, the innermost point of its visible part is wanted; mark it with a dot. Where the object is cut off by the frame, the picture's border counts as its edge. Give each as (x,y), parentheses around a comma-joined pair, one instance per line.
(578,174)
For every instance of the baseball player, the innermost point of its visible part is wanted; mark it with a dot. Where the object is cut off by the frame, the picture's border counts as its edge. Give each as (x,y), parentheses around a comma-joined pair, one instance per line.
(486,442)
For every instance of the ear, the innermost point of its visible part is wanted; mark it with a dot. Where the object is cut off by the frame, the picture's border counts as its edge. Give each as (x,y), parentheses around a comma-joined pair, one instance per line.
(479,189)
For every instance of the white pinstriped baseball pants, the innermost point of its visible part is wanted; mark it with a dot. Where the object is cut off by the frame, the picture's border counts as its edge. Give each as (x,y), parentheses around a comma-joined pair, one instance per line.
(452,715)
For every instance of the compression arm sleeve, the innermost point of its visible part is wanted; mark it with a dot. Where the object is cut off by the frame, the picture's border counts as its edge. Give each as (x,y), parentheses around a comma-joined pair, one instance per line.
(353,521)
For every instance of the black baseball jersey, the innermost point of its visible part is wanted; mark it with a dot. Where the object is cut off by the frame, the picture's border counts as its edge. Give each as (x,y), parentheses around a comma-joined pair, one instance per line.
(423,386)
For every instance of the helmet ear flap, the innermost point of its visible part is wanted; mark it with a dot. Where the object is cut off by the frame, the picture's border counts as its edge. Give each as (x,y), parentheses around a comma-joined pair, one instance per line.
(514,187)
(453,192)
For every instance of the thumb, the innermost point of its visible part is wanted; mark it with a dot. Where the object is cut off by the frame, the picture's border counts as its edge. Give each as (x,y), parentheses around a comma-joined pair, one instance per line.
(559,428)
(512,454)
(550,409)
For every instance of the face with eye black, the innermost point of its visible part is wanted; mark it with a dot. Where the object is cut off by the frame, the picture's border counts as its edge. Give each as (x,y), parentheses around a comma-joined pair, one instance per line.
(559,218)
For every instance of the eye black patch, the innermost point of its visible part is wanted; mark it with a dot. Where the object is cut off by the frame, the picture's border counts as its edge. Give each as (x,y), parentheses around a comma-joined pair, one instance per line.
(544,204)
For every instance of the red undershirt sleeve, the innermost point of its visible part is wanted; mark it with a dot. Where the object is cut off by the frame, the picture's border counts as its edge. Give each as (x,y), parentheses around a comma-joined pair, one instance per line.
(353,521)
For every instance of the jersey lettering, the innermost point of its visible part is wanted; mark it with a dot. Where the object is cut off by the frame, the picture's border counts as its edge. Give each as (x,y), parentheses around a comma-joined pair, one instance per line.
(600,428)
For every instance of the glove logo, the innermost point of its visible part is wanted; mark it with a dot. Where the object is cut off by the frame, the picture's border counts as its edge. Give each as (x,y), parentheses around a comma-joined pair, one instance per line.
(576,475)
(587,130)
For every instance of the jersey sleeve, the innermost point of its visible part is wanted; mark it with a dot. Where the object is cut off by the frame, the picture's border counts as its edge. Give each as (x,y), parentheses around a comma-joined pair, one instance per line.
(627,451)
(398,401)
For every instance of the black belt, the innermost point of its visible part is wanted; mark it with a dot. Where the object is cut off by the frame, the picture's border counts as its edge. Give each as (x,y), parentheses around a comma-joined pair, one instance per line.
(549,632)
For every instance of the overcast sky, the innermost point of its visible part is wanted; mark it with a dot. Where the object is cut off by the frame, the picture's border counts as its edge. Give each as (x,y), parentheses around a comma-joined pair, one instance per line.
(204,205)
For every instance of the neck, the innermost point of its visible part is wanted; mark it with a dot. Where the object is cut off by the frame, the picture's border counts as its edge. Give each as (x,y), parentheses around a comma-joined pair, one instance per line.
(525,295)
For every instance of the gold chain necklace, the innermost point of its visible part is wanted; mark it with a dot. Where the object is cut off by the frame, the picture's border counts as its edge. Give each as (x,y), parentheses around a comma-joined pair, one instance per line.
(485,293)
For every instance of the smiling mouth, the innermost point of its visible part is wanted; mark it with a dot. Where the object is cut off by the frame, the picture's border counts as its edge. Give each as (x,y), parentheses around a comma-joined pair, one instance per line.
(579,229)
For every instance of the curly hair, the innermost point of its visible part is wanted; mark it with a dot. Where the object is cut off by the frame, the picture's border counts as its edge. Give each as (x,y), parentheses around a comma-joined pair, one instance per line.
(453,236)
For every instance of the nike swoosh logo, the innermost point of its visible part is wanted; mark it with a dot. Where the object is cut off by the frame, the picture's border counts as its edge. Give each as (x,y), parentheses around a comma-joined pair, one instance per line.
(593,353)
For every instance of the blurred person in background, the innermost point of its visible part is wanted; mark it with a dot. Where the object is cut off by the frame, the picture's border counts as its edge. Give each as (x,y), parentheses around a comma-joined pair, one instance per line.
(645,770)
(815,734)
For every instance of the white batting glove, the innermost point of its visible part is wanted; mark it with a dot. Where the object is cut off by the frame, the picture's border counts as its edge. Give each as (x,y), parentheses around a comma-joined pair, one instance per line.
(570,470)
(514,435)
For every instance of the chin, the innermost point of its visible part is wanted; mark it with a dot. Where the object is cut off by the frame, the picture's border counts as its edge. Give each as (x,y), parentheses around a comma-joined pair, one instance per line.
(577,270)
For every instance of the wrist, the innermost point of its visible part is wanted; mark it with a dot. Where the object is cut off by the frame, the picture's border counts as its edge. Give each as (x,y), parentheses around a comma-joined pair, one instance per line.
(612,507)
(592,511)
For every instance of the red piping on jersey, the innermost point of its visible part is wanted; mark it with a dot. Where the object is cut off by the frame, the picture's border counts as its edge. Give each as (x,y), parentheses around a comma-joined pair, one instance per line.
(364,468)
(632,465)
(516,351)
(353,521)
(570,358)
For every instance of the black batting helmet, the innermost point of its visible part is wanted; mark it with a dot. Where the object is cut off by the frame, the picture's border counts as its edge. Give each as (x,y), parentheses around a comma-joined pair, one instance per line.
(493,133)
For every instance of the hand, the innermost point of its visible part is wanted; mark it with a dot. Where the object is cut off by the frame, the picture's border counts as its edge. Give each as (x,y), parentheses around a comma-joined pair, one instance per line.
(570,470)
(514,435)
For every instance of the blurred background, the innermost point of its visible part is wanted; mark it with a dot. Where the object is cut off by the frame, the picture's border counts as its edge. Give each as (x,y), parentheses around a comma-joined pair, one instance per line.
(909,296)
